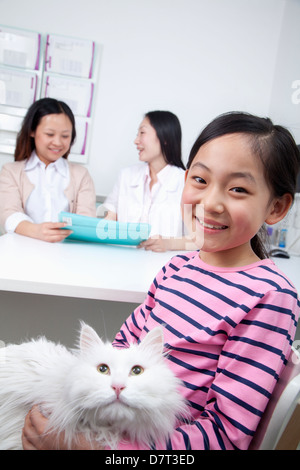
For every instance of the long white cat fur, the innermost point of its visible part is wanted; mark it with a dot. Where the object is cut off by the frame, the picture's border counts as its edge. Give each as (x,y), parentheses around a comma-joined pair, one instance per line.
(133,395)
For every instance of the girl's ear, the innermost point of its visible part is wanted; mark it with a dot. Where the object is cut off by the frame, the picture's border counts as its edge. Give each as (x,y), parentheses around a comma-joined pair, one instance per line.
(279,209)
(185,176)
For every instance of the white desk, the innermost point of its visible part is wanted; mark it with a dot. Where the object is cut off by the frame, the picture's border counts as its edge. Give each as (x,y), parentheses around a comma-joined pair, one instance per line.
(88,270)
(47,288)
(75,269)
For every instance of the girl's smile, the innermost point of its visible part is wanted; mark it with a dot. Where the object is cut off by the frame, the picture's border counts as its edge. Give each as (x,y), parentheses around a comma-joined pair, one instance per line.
(229,199)
(210,225)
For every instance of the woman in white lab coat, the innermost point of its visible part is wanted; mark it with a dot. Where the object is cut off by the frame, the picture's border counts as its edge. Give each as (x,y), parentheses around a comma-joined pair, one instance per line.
(150,191)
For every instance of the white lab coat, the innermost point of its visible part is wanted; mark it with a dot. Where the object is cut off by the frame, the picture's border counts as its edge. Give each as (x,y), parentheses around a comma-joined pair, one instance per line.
(131,200)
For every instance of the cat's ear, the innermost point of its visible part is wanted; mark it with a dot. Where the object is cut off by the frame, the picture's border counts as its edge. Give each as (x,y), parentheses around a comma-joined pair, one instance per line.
(88,337)
(154,340)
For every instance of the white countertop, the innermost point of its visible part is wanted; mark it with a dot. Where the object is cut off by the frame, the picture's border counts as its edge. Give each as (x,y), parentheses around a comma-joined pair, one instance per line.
(76,269)
(88,270)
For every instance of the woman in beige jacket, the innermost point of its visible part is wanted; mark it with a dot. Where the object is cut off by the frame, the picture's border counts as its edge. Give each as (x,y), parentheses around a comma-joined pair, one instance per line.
(41,182)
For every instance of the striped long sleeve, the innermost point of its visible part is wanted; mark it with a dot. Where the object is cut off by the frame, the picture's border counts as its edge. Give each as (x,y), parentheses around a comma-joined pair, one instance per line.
(228,332)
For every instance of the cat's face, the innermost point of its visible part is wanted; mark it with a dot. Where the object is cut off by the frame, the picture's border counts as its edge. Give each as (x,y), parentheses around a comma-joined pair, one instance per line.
(115,383)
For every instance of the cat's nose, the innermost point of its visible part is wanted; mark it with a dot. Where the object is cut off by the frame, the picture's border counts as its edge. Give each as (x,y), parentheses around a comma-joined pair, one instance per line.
(118,389)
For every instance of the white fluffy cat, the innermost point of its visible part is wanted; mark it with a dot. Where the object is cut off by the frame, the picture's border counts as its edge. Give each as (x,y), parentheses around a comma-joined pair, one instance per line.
(107,393)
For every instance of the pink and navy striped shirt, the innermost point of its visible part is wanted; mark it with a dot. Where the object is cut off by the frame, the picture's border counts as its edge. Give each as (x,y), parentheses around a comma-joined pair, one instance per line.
(228,332)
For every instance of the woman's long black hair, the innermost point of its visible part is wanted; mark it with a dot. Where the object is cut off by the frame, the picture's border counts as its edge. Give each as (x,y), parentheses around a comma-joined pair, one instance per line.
(168,131)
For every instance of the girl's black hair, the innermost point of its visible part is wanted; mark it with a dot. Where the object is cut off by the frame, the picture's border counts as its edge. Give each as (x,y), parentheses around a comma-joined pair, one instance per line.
(25,142)
(168,131)
(273,144)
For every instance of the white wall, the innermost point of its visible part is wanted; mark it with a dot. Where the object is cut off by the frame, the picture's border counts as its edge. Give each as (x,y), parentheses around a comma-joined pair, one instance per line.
(197,58)
(285,98)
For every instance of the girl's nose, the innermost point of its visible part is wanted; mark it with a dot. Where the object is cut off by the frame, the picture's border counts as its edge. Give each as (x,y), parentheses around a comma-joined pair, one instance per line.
(213,201)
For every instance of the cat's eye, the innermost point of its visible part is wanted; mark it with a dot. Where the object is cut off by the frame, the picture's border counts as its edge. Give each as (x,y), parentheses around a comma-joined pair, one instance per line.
(136,370)
(103,369)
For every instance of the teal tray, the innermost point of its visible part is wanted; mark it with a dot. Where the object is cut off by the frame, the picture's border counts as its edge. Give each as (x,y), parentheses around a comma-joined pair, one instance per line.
(92,229)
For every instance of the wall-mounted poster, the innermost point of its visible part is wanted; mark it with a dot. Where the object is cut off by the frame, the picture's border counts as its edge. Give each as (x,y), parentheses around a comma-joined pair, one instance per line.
(19,48)
(79,146)
(34,66)
(69,56)
(77,94)
(17,88)
(9,128)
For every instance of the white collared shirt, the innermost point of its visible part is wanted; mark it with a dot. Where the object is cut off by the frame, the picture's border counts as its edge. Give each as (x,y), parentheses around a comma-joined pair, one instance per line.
(133,201)
(47,198)
(150,195)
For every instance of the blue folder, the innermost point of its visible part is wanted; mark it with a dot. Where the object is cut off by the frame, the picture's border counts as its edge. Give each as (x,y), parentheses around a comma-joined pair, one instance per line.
(92,229)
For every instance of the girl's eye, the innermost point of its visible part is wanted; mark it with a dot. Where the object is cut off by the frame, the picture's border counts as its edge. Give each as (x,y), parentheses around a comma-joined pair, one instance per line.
(198,179)
(239,190)
(136,370)
(103,369)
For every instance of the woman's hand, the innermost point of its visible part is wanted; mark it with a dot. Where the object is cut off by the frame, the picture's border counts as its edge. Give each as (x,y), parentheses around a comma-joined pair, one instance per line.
(36,436)
(47,231)
(155,243)
(159,244)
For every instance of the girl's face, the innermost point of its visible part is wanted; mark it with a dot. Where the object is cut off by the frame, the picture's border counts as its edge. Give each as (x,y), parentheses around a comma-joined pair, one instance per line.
(52,137)
(147,143)
(226,200)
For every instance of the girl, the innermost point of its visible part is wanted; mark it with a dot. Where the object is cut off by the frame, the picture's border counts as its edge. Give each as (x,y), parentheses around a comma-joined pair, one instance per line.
(150,191)
(41,183)
(229,314)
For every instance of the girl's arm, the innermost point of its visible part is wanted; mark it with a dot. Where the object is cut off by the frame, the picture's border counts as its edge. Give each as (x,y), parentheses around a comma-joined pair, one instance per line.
(249,366)
(250,363)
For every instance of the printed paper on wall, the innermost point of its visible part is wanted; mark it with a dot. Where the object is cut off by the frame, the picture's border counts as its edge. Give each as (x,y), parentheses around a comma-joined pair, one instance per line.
(17,88)
(69,56)
(78,94)
(19,48)
(79,146)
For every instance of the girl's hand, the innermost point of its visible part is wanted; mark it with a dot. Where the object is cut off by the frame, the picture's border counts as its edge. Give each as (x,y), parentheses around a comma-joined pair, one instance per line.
(35,436)
(47,231)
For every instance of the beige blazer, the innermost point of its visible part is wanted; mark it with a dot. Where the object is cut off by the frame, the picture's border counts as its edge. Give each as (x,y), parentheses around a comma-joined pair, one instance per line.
(15,189)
